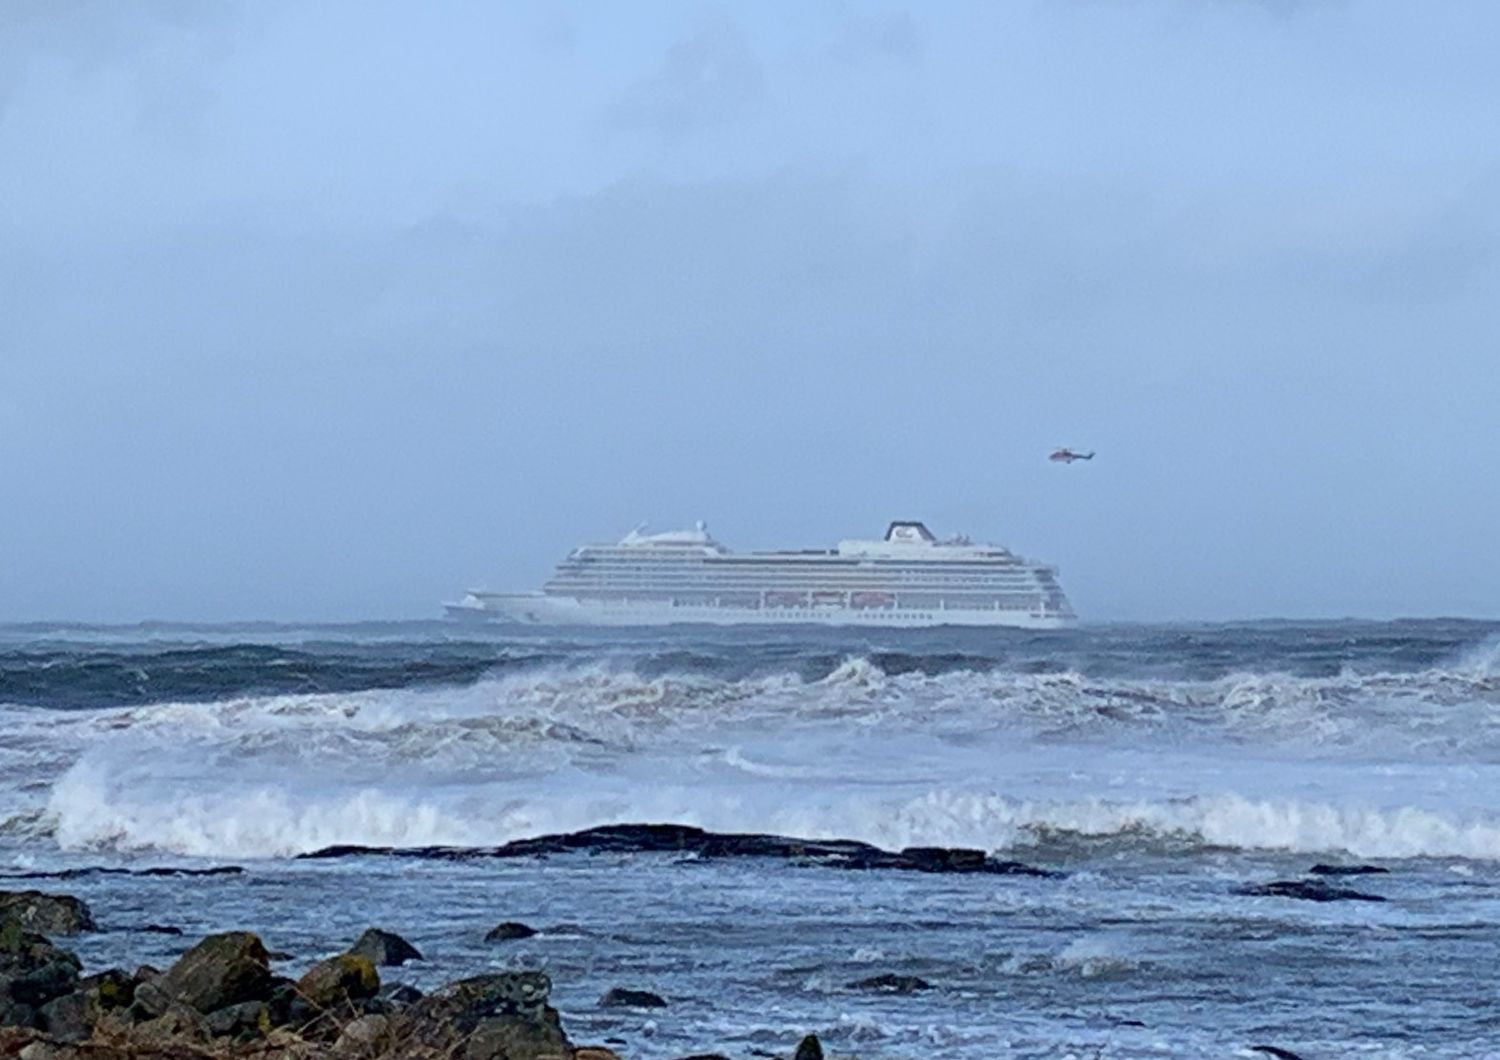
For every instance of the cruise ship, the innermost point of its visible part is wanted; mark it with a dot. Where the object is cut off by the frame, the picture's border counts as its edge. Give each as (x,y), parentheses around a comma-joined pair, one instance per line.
(908,578)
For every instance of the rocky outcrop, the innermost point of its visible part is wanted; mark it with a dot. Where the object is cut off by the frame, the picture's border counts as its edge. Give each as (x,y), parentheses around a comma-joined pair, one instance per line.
(172,871)
(1307,891)
(220,971)
(511,929)
(220,1000)
(32,973)
(504,1016)
(384,949)
(624,997)
(1346,870)
(46,914)
(683,839)
(809,1048)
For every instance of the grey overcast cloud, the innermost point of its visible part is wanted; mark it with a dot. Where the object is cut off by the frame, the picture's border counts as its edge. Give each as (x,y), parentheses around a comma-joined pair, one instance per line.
(328,311)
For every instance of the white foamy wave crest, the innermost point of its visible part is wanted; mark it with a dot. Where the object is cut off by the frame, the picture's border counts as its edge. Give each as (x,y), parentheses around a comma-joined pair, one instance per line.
(1221,820)
(89,811)
(996,759)
(1483,660)
(94,808)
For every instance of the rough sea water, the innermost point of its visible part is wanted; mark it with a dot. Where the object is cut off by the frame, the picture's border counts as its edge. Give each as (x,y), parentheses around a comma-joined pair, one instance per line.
(1160,771)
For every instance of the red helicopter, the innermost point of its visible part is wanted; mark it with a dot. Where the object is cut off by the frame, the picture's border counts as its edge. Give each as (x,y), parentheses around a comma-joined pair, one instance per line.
(1067,456)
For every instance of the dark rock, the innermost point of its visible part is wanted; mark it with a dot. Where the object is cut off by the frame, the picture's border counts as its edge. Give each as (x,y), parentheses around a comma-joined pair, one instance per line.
(809,1048)
(686,840)
(503,1016)
(100,870)
(467,1001)
(69,1018)
(32,970)
(161,929)
(48,914)
(112,989)
(399,995)
(893,984)
(511,929)
(1276,1051)
(1307,891)
(338,981)
(945,859)
(287,1007)
(15,1013)
(384,949)
(220,971)
(516,1039)
(248,1019)
(624,997)
(1346,870)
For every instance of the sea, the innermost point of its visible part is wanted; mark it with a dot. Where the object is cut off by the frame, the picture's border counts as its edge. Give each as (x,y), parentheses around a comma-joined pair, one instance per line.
(1161,772)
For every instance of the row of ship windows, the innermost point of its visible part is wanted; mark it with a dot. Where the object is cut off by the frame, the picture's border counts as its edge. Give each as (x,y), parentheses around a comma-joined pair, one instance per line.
(792,582)
(677,562)
(925,570)
(967,602)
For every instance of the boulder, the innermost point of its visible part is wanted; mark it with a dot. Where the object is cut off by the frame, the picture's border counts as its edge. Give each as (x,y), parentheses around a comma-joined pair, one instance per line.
(69,1018)
(384,949)
(18,1014)
(503,1016)
(338,981)
(248,1019)
(32,970)
(220,971)
(367,1036)
(49,1050)
(809,1048)
(594,1052)
(48,914)
(177,1025)
(509,1038)
(110,989)
(509,930)
(624,997)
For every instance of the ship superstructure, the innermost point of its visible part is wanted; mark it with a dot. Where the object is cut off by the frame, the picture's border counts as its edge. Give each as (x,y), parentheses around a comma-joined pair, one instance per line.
(908,578)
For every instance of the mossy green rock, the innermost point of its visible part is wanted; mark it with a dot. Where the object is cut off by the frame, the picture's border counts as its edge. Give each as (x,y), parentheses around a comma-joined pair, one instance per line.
(347,977)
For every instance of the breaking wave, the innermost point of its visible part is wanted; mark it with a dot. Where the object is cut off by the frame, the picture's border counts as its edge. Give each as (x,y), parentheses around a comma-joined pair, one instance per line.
(894,748)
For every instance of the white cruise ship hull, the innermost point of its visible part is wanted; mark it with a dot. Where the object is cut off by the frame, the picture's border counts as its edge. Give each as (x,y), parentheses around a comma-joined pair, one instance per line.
(908,579)
(542,609)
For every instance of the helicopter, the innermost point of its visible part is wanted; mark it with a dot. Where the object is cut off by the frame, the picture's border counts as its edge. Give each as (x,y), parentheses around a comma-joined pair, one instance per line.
(1067,456)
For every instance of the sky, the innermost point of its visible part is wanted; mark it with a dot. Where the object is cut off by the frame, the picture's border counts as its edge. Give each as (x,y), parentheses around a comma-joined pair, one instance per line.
(331,310)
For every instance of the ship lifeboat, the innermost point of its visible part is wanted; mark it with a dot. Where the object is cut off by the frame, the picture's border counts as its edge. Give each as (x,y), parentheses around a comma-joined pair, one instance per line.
(786,599)
(871,599)
(828,599)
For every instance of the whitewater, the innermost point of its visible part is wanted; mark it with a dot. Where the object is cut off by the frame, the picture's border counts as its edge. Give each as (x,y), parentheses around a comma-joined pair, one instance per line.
(1160,768)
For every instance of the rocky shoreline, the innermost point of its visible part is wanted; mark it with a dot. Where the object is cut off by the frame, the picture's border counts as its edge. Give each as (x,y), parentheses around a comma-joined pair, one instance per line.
(222,999)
